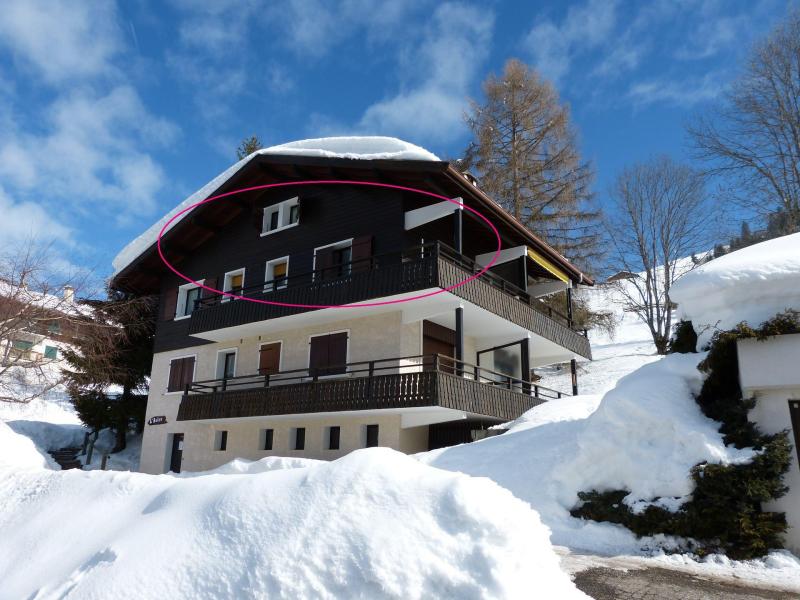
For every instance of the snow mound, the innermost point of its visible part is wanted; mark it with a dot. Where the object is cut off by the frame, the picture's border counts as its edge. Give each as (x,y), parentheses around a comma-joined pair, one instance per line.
(355,147)
(241,466)
(645,435)
(374,524)
(752,284)
(361,148)
(18,451)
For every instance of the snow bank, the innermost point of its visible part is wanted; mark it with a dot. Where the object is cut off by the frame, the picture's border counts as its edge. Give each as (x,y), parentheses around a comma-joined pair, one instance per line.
(359,148)
(645,436)
(18,451)
(752,284)
(374,524)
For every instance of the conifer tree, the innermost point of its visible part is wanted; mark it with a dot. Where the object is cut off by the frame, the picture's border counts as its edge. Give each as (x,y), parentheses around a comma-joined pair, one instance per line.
(248,146)
(115,350)
(526,156)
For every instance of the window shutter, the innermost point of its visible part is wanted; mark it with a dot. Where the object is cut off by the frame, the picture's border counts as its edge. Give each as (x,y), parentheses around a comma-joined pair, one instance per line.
(209,282)
(187,372)
(324,263)
(362,251)
(269,359)
(318,353)
(170,304)
(337,352)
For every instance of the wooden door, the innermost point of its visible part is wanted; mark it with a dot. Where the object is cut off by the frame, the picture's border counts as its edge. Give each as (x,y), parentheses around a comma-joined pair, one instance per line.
(177,453)
(269,359)
(437,339)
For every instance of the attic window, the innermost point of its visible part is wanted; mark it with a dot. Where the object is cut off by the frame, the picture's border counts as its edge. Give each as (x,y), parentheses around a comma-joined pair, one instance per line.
(281,216)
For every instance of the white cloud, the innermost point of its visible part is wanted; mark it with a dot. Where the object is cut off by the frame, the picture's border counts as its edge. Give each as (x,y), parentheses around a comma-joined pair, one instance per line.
(22,221)
(711,36)
(89,156)
(61,40)
(553,47)
(683,92)
(446,63)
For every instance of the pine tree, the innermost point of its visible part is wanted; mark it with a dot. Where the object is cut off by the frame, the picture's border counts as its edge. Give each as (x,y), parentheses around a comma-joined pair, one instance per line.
(115,349)
(526,155)
(248,146)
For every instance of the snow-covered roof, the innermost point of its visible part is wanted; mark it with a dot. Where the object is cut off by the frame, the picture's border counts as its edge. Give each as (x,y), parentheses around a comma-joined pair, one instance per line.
(352,147)
(752,284)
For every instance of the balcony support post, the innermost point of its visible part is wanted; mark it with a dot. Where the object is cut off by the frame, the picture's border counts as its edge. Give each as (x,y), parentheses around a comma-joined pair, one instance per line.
(523,273)
(573,369)
(525,360)
(569,307)
(458,230)
(459,340)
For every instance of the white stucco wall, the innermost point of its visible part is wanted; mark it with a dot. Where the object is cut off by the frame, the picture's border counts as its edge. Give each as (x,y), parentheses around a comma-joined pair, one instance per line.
(769,371)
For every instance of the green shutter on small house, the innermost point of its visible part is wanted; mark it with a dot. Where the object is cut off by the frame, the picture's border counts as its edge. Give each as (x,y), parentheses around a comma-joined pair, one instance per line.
(21,345)
(50,352)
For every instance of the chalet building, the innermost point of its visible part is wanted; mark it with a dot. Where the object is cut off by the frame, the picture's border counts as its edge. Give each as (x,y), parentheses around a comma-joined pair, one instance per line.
(234,378)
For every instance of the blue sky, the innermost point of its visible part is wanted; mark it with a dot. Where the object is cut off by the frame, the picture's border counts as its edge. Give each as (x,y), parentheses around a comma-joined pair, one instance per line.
(113,112)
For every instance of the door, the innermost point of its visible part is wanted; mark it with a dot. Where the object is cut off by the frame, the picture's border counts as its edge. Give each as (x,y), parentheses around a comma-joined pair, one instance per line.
(177,453)
(269,359)
(437,339)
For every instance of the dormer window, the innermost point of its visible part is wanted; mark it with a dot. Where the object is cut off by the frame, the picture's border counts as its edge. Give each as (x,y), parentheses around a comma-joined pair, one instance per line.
(281,216)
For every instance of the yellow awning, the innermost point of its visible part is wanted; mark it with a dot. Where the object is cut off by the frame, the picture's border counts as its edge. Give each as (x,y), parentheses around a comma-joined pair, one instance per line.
(547,265)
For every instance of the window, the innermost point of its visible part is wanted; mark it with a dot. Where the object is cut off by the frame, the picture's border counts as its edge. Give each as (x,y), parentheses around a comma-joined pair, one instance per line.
(299,435)
(51,352)
(334,260)
(181,373)
(188,295)
(226,364)
(281,216)
(275,277)
(372,436)
(234,282)
(333,437)
(267,436)
(54,327)
(220,441)
(21,345)
(327,354)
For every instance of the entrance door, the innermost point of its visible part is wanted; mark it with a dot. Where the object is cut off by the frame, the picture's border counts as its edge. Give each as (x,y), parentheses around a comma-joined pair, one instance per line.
(437,339)
(177,453)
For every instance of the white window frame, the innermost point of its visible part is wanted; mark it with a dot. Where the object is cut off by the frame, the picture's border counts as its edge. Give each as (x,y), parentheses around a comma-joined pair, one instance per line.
(336,246)
(220,367)
(283,209)
(280,355)
(169,369)
(268,277)
(181,304)
(226,282)
(347,353)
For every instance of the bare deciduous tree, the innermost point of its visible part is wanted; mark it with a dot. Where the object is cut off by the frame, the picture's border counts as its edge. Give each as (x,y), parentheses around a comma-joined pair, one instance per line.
(526,154)
(33,308)
(753,139)
(661,217)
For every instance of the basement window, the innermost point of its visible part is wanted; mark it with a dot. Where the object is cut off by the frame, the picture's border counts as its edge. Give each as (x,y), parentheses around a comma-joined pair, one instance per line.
(334,433)
(221,441)
(299,438)
(267,437)
(372,436)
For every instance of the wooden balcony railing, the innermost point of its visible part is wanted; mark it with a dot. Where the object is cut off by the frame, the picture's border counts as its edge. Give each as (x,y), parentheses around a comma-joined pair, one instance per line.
(429,380)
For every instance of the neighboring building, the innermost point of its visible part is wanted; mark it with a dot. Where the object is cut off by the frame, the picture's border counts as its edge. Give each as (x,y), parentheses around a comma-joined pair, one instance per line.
(768,372)
(755,284)
(233,378)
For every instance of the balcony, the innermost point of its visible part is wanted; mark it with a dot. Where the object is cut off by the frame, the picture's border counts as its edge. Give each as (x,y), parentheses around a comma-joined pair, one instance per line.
(408,382)
(419,268)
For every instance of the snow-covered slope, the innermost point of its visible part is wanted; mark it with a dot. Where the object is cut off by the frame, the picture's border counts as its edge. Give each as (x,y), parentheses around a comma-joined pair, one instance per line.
(374,524)
(752,284)
(645,436)
(357,148)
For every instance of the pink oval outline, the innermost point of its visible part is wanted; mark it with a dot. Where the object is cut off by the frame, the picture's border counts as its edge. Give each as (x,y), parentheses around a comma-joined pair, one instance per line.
(329,182)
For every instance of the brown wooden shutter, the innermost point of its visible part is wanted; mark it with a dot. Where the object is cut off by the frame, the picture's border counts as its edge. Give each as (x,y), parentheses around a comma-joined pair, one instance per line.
(175,375)
(361,253)
(337,352)
(169,305)
(324,264)
(187,373)
(269,359)
(318,353)
(210,282)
